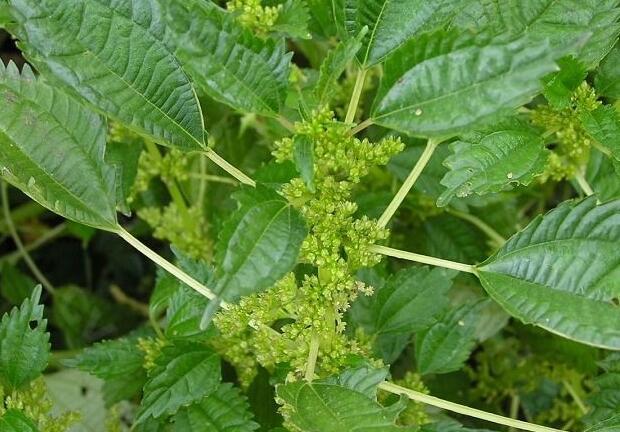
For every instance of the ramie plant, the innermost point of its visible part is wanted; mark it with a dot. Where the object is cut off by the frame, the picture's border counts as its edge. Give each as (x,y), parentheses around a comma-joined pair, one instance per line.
(495,125)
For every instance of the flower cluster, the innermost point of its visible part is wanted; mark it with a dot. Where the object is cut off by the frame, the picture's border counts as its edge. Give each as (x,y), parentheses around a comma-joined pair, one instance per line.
(254,16)
(572,142)
(36,405)
(278,326)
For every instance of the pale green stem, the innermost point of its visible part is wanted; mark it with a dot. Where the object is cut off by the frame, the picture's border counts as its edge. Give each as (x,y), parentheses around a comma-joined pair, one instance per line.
(360,127)
(230,169)
(20,246)
(49,235)
(355,97)
(313,354)
(173,189)
(423,259)
(481,225)
(514,408)
(214,178)
(464,410)
(166,265)
(571,391)
(286,123)
(431,145)
(202,190)
(583,184)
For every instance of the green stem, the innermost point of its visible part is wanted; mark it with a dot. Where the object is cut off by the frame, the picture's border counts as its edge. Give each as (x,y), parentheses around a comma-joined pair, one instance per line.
(173,188)
(583,184)
(431,145)
(313,354)
(286,123)
(20,246)
(462,409)
(481,225)
(213,178)
(230,169)
(360,127)
(30,210)
(166,265)
(49,235)
(424,259)
(514,407)
(355,97)
(571,391)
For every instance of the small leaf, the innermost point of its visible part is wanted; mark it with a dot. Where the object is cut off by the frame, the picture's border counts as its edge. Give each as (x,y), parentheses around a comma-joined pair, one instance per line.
(446,345)
(492,161)
(607,78)
(184,373)
(226,61)
(363,379)
(334,65)
(124,158)
(111,359)
(293,19)
(392,23)
(560,86)
(322,407)
(24,343)
(59,161)
(603,124)
(184,314)
(225,410)
(562,271)
(258,245)
(473,82)
(303,156)
(112,54)
(604,402)
(14,420)
(603,174)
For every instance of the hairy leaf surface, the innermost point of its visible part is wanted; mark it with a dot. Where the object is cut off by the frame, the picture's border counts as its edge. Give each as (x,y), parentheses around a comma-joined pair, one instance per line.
(112,54)
(57,159)
(24,343)
(562,272)
(439,84)
(228,62)
(603,124)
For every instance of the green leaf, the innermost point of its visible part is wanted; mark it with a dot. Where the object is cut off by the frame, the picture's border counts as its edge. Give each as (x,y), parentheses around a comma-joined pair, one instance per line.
(558,21)
(560,86)
(334,65)
(473,82)
(609,425)
(293,19)
(363,379)
(607,78)
(449,426)
(111,359)
(603,124)
(604,402)
(493,161)
(561,272)
(225,410)
(112,54)
(258,245)
(124,158)
(184,373)
(165,287)
(226,61)
(303,156)
(24,343)
(454,239)
(14,420)
(446,345)
(323,407)
(14,285)
(184,314)
(391,23)
(59,162)
(410,300)
(603,174)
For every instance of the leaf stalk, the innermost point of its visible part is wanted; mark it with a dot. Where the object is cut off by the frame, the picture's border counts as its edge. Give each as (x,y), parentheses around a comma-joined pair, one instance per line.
(423,259)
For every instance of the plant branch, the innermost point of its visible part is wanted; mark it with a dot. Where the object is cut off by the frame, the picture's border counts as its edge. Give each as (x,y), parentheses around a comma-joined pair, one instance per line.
(20,246)
(431,145)
(424,259)
(286,123)
(313,354)
(464,410)
(173,188)
(49,235)
(230,169)
(167,265)
(122,298)
(360,127)
(481,225)
(571,391)
(583,184)
(355,96)
(213,178)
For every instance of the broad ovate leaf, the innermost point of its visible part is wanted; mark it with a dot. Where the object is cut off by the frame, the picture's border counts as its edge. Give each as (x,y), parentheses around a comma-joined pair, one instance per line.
(391,23)
(562,272)
(52,148)
(493,161)
(258,245)
(327,407)
(226,61)
(447,344)
(184,373)
(112,54)
(24,343)
(439,84)
(225,410)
